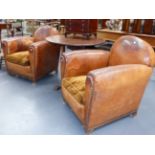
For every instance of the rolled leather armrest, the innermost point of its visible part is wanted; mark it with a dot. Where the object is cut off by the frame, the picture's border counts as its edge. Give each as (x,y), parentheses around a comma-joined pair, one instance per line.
(15,44)
(80,62)
(44,57)
(113,92)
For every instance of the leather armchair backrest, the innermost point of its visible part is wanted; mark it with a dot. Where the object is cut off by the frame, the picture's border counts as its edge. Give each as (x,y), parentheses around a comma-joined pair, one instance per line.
(24,43)
(132,50)
(44,31)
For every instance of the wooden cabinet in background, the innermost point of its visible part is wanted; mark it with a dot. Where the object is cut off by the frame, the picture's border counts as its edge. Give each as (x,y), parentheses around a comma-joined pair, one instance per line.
(126,25)
(148,26)
(86,27)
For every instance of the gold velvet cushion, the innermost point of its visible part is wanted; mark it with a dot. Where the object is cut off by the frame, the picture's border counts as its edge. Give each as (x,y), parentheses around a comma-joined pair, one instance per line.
(20,58)
(76,87)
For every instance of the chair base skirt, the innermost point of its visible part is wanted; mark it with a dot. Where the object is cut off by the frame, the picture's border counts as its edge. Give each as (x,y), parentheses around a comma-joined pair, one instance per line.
(91,129)
(77,108)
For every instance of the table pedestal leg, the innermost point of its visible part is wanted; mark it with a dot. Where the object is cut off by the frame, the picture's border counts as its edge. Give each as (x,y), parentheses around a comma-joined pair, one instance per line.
(58,86)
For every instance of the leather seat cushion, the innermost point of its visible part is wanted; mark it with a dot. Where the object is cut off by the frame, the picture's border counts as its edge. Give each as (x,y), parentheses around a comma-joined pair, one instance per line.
(76,87)
(20,58)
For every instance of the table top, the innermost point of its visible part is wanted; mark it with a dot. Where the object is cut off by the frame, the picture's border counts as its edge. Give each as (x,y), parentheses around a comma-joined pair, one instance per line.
(74,41)
(126,33)
(4,25)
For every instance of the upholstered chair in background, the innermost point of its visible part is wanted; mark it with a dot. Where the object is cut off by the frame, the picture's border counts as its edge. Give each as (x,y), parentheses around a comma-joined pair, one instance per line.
(101,86)
(31,57)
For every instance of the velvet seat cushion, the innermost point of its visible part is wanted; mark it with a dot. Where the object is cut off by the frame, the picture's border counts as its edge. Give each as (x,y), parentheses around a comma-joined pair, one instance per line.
(76,87)
(20,58)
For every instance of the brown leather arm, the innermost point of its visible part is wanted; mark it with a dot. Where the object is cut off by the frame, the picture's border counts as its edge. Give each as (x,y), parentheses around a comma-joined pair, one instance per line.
(113,92)
(15,44)
(82,61)
(44,57)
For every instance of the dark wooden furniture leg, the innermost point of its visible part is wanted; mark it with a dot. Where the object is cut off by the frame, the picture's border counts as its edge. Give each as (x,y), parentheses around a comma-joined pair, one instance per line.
(1,61)
(0,52)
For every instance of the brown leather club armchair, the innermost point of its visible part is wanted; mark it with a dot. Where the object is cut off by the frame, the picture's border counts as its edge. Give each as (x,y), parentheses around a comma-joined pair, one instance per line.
(31,57)
(102,86)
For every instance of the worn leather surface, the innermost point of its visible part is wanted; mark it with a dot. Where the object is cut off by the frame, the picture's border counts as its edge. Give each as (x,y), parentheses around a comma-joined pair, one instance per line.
(16,44)
(43,55)
(15,69)
(115,92)
(131,50)
(78,109)
(116,88)
(81,62)
(43,32)
(44,58)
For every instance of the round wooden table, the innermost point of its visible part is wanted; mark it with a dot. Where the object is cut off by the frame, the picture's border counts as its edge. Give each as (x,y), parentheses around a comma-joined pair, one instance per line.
(73,41)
